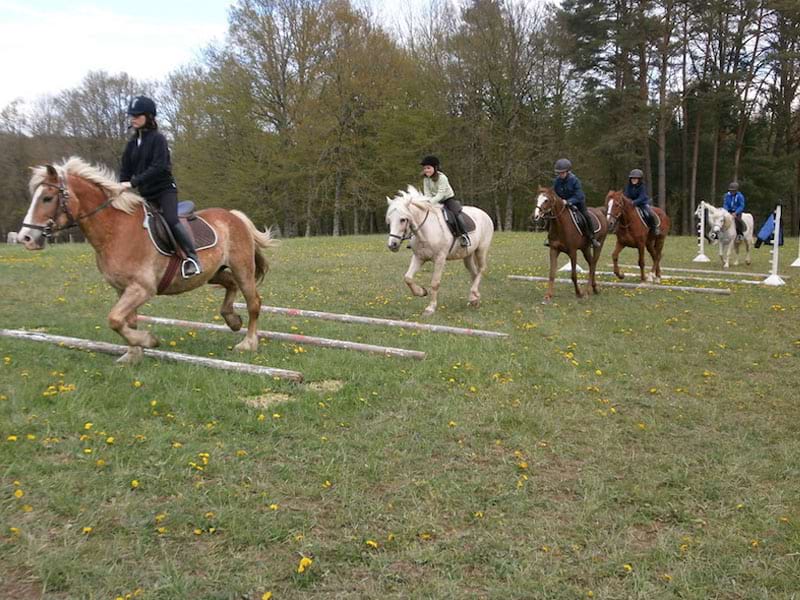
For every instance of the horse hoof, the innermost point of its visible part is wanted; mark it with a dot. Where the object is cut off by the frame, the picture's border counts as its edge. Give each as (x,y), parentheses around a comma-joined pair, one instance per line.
(547,301)
(247,345)
(234,321)
(428,312)
(475,303)
(132,356)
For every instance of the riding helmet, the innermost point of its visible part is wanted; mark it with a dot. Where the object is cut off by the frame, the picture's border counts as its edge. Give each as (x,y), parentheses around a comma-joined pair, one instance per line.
(733,186)
(636,173)
(430,161)
(141,105)
(562,165)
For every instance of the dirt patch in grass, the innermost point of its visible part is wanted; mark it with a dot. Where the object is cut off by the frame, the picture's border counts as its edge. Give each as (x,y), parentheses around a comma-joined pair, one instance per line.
(327,385)
(19,584)
(267,400)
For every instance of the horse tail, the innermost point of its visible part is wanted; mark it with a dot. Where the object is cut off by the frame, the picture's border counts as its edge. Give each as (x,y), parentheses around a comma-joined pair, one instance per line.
(262,239)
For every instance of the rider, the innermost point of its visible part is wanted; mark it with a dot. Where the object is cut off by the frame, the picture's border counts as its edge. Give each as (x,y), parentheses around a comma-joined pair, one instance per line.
(733,202)
(568,187)
(636,191)
(146,166)
(437,188)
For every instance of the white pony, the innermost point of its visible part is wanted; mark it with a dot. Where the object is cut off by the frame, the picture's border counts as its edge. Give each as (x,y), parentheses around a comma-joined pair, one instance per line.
(722,228)
(411,213)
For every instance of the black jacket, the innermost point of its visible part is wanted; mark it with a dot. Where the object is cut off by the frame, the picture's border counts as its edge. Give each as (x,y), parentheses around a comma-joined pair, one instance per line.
(147,166)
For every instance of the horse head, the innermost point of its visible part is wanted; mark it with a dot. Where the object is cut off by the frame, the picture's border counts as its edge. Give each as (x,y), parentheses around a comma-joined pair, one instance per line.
(49,208)
(546,203)
(615,202)
(64,195)
(718,222)
(399,217)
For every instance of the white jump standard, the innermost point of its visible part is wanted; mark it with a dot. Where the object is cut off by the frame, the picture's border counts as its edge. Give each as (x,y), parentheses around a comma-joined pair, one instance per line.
(119,350)
(295,338)
(315,314)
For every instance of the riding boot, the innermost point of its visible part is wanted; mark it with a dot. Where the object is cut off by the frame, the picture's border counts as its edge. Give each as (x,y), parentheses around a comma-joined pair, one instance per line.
(462,229)
(588,229)
(652,223)
(191,266)
(739,228)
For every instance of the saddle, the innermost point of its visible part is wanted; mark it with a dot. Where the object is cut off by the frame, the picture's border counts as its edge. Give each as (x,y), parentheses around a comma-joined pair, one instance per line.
(640,212)
(202,233)
(450,219)
(577,220)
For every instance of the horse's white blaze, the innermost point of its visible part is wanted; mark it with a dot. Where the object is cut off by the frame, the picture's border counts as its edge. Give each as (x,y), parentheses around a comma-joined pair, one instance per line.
(539,201)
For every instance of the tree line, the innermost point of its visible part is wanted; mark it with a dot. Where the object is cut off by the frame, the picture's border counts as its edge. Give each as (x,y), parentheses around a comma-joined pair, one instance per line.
(311,112)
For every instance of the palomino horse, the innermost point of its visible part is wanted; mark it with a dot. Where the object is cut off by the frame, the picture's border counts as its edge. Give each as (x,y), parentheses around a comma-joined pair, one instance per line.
(410,213)
(111,217)
(565,236)
(632,232)
(722,228)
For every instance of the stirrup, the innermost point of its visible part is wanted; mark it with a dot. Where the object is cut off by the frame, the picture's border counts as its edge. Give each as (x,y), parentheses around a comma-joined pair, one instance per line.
(190,267)
(595,243)
(657,231)
(465,241)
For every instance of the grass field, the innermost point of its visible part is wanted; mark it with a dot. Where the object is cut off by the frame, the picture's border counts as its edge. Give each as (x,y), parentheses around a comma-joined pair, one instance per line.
(636,444)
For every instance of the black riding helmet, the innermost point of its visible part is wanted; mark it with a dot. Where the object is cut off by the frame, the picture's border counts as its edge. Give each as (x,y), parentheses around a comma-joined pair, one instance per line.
(141,105)
(637,173)
(733,186)
(430,161)
(562,165)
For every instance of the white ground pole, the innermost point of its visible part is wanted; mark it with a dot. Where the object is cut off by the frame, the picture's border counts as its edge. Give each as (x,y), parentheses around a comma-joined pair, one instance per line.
(689,278)
(316,314)
(641,286)
(294,338)
(774,278)
(119,349)
(796,262)
(701,229)
(708,271)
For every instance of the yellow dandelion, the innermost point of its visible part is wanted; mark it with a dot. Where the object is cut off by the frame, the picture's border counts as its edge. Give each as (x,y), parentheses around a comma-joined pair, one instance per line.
(304,564)
(12,438)
(137,384)
(87,530)
(266,596)
(598,372)
(327,484)
(273,507)
(18,493)
(197,531)
(627,568)
(161,530)
(134,484)
(14,531)
(371,543)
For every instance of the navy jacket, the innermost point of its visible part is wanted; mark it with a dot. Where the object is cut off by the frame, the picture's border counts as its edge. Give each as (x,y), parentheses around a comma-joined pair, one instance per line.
(637,193)
(147,166)
(733,203)
(570,190)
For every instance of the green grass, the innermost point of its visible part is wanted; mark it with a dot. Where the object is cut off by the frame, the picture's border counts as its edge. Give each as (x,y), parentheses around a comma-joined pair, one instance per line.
(637,444)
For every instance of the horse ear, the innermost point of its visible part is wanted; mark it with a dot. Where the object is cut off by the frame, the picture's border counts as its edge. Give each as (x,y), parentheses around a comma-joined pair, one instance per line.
(51,171)
(388,200)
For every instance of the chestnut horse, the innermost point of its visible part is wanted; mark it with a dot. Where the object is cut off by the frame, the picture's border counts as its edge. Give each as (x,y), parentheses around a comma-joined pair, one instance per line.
(632,232)
(111,218)
(564,236)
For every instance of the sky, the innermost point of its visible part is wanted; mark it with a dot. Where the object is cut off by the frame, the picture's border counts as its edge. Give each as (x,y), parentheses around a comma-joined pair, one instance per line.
(47,46)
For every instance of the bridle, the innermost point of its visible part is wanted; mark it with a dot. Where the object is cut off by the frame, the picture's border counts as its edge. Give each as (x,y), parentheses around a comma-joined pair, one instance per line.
(410,226)
(619,220)
(62,206)
(549,213)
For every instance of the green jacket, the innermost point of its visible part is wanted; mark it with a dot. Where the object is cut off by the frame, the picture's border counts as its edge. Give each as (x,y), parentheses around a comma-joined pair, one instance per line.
(437,190)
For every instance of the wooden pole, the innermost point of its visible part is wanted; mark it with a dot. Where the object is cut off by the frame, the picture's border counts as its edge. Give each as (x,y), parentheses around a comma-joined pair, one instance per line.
(644,286)
(297,339)
(315,314)
(118,349)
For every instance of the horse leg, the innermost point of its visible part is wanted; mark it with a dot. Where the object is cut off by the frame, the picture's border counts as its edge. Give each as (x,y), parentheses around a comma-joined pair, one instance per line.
(481,254)
(642,276)
(436,280)
(245,277)
(592,256)
(573,259)
(655,253)
(475,273)
(548,295)
(615,258)
(413,267)
(747,260)
(123,312)
(226,280)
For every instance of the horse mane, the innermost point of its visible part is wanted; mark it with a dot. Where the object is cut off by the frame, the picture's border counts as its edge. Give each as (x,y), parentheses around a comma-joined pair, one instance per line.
(100,175)
(403,199)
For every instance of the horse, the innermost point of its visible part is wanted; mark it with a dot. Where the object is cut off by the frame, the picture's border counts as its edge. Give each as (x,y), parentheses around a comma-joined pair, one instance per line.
(633,232)
(409,214)
(111,217)
(722,228)
(564,235)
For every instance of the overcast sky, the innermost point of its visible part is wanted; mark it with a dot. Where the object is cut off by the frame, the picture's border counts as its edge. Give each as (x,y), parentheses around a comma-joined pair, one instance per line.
(50,45)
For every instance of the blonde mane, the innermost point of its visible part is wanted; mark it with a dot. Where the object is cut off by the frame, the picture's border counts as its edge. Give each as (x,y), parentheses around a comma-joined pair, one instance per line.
(403,199)
(103,177)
